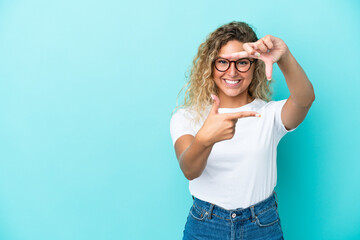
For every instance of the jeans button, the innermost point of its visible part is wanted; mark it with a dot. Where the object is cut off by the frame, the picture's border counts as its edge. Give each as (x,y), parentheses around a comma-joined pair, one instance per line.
(233,215)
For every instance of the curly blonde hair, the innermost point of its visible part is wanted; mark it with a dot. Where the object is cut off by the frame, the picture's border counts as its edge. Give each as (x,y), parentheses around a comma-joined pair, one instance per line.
(201,83)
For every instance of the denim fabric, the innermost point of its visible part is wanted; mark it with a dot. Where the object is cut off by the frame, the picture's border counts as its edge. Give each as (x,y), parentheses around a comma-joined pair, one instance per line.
(209,221)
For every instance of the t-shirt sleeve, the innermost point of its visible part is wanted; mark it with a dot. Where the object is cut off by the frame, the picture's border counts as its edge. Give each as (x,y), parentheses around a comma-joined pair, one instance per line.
(181,124)
(280,129)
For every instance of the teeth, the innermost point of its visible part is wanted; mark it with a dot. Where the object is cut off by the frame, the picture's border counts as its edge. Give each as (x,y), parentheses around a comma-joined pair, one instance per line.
(232,82)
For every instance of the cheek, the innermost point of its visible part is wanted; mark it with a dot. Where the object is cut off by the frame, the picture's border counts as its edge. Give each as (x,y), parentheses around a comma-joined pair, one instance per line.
(250,74)
(217,74)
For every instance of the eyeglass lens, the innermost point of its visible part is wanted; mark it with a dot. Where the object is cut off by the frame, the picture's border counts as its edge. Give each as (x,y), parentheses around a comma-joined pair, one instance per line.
(241,65)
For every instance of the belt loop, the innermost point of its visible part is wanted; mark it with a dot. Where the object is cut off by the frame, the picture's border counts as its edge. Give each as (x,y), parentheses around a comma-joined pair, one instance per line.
(253,216)
(276,199)
(211,210)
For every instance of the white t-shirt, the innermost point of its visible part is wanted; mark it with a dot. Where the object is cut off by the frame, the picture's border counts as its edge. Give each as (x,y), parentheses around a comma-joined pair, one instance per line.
(241,171)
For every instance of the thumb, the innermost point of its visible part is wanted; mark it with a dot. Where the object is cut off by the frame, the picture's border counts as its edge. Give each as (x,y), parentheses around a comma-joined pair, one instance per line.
(268,69)
(216,104)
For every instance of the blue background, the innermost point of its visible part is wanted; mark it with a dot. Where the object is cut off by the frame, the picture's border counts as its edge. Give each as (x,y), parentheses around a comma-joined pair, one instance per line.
(86,93)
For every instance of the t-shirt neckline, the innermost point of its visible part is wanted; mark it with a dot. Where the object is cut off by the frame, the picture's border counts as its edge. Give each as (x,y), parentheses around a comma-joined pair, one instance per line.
(231,110)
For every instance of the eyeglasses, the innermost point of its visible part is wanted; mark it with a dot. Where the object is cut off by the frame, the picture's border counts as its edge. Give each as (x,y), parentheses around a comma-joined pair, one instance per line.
(242,65)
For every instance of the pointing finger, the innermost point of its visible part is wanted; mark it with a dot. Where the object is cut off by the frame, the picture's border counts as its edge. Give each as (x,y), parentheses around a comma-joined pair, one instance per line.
(242,54)
(243,114)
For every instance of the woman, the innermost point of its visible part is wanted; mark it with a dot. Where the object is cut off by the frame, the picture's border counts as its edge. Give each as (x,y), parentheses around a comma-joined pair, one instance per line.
(226,133)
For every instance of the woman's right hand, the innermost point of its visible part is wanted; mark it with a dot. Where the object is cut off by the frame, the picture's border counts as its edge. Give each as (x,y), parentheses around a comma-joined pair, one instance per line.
(218,127)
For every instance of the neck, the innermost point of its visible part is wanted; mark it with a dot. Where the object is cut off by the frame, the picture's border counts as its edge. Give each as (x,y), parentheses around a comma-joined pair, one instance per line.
(234,102)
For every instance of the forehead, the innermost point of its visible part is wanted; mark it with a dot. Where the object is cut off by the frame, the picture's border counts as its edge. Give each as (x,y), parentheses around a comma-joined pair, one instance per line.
(231,47)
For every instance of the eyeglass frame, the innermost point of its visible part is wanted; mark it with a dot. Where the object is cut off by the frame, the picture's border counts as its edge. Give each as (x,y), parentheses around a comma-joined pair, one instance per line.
(251,62)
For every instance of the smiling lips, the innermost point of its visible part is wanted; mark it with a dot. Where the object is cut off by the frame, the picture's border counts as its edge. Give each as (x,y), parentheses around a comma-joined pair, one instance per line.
(232,83)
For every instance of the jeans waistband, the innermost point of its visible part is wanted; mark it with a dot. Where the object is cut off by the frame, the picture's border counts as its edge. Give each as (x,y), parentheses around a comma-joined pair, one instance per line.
(239,213)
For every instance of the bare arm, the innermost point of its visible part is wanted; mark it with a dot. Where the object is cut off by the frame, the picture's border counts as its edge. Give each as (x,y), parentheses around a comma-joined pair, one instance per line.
(301,92)
(192,155)
(271,49)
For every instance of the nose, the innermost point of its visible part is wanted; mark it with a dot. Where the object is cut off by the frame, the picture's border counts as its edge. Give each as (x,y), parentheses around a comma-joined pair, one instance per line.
(232,71)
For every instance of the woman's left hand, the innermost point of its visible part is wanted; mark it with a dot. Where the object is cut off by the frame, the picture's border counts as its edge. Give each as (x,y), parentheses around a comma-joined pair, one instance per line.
(269,49)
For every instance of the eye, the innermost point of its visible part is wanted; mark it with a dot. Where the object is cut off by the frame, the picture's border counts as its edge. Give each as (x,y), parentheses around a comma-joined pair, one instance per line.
(222,61)
(243,62)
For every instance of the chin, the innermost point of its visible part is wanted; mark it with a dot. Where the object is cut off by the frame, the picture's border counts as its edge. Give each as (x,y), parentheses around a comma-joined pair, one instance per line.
(233,93)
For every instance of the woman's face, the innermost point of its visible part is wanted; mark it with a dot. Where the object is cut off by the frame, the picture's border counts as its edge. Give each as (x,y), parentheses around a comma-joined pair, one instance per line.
(238,87)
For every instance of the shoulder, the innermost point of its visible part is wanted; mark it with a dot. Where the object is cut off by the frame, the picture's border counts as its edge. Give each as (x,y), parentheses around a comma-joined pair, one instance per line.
(187,113)
(182,123)
(183,117)
(190,113)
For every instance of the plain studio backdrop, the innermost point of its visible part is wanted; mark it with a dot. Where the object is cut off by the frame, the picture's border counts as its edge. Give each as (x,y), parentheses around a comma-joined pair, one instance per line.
(86,94)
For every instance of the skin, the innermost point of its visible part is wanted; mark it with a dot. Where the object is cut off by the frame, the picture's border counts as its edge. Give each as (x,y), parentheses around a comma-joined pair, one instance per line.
(233,97)
(193,151)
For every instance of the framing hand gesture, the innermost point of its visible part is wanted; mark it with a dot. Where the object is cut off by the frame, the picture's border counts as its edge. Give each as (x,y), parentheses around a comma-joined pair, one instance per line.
(269,49)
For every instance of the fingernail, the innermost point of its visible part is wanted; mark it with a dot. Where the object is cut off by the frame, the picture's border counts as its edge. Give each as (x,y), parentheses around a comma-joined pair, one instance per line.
(212,96)
(269,79)
(258,115)
(257,54)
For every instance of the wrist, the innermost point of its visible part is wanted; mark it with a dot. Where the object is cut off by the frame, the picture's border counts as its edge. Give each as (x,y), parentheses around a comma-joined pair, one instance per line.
(285,58)
(202,140)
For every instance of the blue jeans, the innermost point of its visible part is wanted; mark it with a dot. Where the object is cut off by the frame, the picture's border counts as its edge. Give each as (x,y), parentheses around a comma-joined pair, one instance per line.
(209,221)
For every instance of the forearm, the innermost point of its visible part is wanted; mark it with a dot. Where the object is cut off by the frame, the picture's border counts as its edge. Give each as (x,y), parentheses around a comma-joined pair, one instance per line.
(193,160)
(301,89)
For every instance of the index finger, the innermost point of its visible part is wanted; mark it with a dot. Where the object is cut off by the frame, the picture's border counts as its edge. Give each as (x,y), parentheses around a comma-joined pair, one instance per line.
(242,54)
(241,115)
